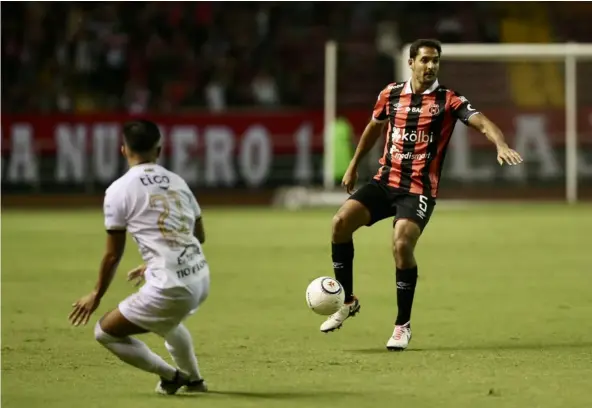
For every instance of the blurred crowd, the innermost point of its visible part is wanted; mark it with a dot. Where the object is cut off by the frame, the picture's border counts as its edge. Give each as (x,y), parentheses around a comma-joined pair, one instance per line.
(175,56)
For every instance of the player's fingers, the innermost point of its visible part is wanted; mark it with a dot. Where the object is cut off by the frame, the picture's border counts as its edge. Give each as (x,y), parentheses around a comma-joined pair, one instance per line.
(86,318)
(518,157)
(81,317)
(75,315)
(73,312)
(500,160)
(515,157)
(78,316)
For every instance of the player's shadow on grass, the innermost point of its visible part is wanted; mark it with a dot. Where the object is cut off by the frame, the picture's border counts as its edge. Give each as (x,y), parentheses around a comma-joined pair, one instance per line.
(485,347)
(270,394)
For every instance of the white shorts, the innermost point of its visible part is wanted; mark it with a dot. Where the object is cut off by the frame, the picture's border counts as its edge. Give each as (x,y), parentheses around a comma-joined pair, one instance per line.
(161,310)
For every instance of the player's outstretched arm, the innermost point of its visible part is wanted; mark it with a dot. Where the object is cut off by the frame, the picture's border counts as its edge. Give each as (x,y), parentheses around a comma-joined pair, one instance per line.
(369,137)
(85,306)
(505,154)
(113,253)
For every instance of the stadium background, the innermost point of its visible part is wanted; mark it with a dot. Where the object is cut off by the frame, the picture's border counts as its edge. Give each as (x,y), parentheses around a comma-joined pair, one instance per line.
(238,91)
(502,313)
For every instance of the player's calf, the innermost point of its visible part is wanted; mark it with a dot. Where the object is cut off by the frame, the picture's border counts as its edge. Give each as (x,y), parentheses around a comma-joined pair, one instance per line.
(349,218)
(405,237)
(114,332)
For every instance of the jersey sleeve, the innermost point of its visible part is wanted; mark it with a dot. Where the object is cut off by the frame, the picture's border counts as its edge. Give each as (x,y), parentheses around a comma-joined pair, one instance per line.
(114,210)
(462,108)
(379,113)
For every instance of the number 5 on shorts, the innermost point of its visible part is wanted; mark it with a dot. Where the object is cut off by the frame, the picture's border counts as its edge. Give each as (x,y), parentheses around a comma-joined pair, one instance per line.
(423,207)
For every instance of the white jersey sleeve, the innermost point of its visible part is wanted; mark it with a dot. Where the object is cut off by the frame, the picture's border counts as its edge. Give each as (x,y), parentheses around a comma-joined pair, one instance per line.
(114,209)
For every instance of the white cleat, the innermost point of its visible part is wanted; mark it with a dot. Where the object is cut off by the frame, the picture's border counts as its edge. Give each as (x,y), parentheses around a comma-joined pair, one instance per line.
(400,338)
(335,321)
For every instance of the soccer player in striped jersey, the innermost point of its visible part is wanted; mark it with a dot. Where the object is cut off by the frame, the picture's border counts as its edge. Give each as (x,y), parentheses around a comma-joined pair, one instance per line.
(417,118)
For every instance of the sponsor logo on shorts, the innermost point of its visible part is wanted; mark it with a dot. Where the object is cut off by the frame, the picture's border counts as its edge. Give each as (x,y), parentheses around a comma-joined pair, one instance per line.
(191,270)
(190,252)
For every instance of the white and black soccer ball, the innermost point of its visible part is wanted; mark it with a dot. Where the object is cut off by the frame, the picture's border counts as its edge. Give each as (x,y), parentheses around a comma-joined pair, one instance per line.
(325,296)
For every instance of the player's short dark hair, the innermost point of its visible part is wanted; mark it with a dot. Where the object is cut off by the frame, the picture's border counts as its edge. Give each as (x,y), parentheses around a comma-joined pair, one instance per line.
(141,136)
(417,44)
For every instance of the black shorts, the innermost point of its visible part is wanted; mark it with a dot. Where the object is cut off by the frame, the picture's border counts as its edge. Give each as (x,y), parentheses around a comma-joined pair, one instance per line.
(384,201)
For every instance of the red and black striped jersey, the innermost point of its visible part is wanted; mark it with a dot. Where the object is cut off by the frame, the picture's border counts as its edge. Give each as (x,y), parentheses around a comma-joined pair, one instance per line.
(419,129)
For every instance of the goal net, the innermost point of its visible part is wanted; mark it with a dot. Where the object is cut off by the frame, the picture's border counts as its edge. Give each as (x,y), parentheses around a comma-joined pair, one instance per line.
(540,95)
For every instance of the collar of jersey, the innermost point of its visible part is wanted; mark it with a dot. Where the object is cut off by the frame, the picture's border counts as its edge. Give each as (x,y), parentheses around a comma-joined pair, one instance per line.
(407,89)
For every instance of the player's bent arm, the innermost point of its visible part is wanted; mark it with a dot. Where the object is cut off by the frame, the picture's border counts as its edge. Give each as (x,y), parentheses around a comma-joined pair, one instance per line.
(199,231)
(113,252)
(371,134)
(482,124)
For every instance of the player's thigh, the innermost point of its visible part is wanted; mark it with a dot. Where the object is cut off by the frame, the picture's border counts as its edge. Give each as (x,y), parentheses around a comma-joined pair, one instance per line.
(156,310)
(371,203)
(413,215)
(117,325)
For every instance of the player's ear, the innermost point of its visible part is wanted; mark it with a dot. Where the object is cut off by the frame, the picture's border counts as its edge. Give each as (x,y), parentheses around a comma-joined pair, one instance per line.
(123,152)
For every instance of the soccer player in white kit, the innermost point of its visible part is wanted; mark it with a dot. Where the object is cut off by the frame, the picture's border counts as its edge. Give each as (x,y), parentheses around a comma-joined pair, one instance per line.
(161,213)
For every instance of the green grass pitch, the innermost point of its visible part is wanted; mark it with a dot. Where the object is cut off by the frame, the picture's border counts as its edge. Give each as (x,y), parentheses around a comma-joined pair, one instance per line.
(502,317)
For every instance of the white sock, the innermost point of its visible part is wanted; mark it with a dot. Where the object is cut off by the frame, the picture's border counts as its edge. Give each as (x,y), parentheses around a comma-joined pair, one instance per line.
(180,345)
(135,353)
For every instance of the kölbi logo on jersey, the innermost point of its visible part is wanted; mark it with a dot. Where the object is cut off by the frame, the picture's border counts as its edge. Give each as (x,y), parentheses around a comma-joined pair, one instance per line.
(415,137)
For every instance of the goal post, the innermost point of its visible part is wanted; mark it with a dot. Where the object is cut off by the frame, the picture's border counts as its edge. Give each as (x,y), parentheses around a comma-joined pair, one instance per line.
(569,53)
(329,114)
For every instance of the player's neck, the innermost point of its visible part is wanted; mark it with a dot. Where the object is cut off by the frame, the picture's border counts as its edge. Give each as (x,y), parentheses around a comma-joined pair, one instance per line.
(137,161)
(419,88)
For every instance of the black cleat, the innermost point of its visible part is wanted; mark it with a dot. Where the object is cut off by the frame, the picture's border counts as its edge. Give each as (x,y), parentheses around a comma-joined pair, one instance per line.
(170,387)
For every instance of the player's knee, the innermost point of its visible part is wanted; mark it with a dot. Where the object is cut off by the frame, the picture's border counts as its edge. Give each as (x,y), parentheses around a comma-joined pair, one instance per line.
(402,248)
(340,229)
(102,337)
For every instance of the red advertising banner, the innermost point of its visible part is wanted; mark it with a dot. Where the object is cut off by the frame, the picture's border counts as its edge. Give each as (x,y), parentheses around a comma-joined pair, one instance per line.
(258,149)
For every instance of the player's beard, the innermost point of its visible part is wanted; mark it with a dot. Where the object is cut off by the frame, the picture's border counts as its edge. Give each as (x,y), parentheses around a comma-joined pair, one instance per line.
(428,80)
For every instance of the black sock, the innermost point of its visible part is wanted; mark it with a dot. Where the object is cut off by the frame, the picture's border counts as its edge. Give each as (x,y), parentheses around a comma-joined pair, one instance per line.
(343,266)
(406,281)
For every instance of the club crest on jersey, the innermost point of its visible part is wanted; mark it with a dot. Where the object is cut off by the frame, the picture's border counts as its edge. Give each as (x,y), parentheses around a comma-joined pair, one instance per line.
(434,109)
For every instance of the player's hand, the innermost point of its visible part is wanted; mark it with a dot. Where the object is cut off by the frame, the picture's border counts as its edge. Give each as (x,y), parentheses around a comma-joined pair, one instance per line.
(507,155)
(349,179)
(136,275)
(83,309)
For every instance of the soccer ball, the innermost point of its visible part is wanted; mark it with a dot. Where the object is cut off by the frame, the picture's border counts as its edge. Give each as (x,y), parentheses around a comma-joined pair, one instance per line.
(324,296)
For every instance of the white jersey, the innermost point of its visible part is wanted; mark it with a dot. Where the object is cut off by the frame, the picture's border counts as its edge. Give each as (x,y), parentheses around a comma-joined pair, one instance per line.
(159,210)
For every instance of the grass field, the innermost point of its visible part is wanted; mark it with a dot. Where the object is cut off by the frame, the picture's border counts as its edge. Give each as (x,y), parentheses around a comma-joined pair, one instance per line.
(503,314)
